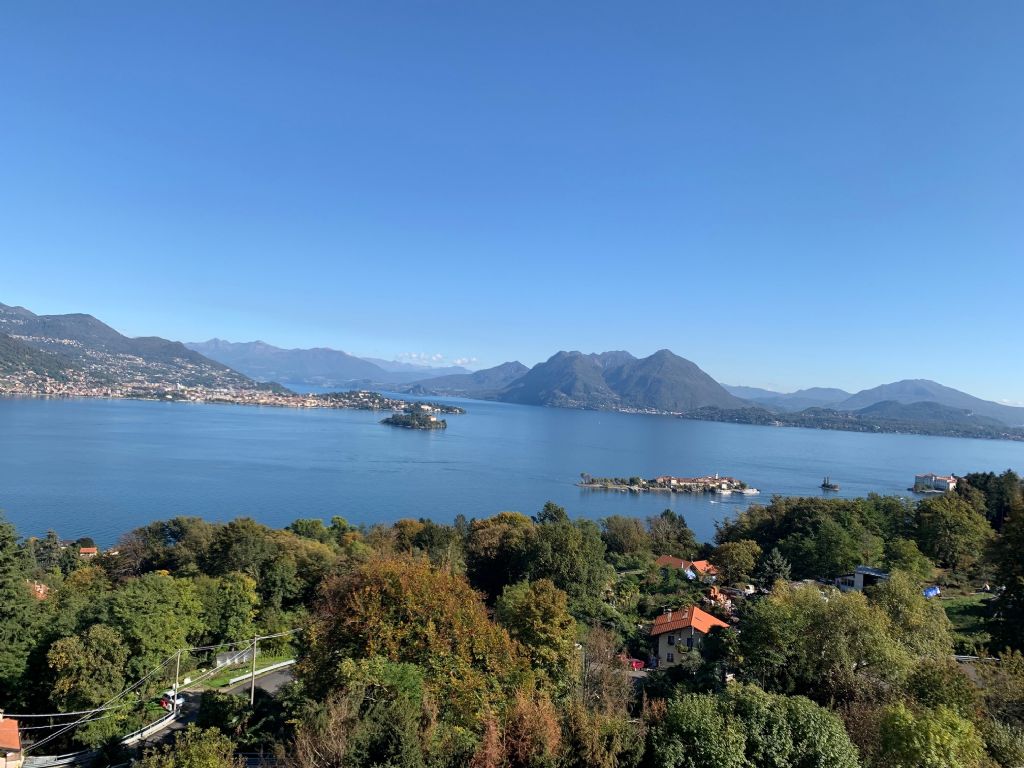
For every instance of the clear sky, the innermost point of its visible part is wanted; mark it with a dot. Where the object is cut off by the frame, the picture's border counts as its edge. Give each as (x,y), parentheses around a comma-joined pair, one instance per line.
(789,193)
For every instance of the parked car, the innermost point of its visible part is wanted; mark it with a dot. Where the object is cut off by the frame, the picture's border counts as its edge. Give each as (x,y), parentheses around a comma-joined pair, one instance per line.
(171,701)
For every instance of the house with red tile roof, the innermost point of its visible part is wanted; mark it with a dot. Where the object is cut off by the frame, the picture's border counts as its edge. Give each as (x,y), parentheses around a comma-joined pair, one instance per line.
(695,569)
(10,743)
(87,552)
(678,632)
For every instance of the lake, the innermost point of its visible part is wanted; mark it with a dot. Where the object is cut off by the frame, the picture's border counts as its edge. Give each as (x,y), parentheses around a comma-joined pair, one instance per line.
(102,467)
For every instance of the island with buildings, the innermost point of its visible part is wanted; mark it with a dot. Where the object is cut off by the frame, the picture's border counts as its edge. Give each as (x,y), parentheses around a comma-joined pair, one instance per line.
(715,483)
(420,416)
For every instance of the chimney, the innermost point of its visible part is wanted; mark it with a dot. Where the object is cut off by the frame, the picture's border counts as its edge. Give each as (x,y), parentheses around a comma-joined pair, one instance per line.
(668,612)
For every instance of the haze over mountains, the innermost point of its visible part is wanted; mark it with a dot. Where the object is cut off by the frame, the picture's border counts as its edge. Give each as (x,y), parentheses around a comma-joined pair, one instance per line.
(319,366)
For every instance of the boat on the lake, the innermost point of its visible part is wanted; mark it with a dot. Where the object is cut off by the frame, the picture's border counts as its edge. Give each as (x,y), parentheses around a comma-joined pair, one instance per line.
(828,485)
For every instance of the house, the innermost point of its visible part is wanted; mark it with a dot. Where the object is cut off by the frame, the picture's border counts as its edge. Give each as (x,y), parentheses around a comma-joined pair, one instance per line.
(677,632)
(695,569)
(10,743)
(87,552)
(863,576)
(931,482)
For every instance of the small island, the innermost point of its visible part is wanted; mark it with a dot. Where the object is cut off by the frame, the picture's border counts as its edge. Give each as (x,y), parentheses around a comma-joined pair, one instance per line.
(668,484)
(415,418)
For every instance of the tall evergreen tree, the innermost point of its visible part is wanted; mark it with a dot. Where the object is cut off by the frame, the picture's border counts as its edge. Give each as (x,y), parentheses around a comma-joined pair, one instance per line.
(17,615)
(773,568)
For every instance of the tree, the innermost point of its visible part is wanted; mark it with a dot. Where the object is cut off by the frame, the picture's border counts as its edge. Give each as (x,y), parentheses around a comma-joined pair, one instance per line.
(532,731)
(918,624)
(156,615)
(940,681)
(229,606)
(1007,554)
(405,610)
(596,740)
(194,748)
(670,535)
(81,600)
(18,614)
(536,614)
(570,554)
(736,560)
(48,552)
(904,555)
(774,567)
(1002,496)
(695,733)
(89,670)
(498,551)
(746,726)
(607,689)
(624,535)
(950,531)
(937,738)
(312,528)
(795,641)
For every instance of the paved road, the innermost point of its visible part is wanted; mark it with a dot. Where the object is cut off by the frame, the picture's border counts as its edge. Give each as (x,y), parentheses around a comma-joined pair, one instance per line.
(271,682)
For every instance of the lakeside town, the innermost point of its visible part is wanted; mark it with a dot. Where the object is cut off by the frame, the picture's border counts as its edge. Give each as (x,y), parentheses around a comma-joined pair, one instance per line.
(81,386)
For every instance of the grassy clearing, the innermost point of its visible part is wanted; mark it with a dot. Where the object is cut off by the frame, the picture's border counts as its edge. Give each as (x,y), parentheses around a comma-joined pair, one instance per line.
(968,613)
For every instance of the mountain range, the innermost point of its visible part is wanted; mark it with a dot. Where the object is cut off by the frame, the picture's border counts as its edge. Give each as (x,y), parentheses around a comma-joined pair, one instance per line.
(663,382)
(318,367)
(905,392)
(668,383)
(79,344)
(80,347)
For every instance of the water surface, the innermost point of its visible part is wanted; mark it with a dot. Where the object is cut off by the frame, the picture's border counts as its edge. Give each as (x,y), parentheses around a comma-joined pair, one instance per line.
(102,467)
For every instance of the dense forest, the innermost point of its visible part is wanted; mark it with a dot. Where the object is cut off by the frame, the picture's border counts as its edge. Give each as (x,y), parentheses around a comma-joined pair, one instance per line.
(508,641)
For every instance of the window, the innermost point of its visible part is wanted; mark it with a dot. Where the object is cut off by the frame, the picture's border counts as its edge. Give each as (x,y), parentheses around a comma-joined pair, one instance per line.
(670,656)
(671,639)
(689,642)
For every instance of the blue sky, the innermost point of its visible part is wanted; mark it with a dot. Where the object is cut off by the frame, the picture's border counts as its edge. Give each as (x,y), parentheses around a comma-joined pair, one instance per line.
(790,194)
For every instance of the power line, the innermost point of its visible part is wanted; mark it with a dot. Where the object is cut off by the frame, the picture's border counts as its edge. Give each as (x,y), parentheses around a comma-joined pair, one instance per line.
(106,705)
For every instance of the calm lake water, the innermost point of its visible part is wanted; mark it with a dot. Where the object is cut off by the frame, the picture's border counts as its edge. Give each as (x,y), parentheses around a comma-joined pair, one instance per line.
(102,467)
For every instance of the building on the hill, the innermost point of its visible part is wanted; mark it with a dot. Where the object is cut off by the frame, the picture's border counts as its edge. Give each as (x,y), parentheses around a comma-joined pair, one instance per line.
(10,743)
(694,569)
(863,576)
(678,632)
(931,482)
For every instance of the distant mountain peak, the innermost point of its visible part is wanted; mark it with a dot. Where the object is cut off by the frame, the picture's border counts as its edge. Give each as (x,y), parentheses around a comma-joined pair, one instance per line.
(663,381)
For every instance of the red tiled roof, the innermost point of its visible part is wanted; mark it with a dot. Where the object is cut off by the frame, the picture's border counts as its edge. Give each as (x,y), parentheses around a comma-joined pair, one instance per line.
(10,739)
(699,566)
(690,616)
(87,551)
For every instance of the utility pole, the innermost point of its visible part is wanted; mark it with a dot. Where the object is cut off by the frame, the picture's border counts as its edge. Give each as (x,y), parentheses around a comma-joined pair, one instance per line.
(252,684)
(177,670)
